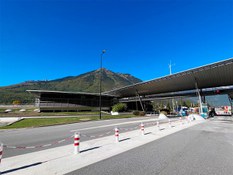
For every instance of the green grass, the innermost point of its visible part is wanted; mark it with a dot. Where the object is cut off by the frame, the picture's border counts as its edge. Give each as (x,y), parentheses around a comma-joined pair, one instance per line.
(38,122)
(29,112)
(41,122)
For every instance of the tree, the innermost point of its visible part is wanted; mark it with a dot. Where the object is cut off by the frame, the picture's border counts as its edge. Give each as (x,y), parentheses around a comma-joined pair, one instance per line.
(119,107)
(158,105)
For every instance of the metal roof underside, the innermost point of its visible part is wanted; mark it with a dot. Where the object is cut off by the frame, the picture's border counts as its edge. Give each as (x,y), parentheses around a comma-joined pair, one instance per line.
(209,76)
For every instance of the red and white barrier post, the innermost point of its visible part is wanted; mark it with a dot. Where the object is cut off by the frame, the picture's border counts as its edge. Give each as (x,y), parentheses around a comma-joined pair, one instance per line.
(181,122)
(158,127)
(1,152)
(190,119)
(76,143)
(187,119)
(117,134)
(169,123)
(142,129)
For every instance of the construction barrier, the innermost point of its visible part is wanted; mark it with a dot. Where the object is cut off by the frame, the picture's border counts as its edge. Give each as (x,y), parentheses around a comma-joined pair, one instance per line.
(76,143)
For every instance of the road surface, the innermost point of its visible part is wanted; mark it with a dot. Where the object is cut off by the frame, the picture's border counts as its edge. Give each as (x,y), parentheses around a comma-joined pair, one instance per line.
(43,136)
(204,149)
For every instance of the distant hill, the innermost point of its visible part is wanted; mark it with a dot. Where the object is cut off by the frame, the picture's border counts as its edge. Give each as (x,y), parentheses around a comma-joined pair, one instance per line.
(87,82)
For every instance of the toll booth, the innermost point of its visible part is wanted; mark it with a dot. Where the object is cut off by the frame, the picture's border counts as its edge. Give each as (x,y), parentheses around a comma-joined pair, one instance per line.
(204,112)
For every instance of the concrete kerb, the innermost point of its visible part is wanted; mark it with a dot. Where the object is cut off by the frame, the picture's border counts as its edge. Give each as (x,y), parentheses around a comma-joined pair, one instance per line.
(92,151)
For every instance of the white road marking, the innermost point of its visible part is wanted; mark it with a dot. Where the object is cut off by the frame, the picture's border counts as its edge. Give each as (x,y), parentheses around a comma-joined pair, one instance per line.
(124,123)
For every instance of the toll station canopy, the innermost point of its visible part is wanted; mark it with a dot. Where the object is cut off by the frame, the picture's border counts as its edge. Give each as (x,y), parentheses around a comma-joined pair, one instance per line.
(209,76)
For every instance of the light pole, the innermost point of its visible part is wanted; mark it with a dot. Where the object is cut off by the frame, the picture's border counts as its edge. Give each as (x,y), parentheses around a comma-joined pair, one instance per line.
(100,100)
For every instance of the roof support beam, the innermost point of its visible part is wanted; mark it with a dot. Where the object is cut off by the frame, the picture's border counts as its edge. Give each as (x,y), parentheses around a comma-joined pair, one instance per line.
(140,100)
(199,97)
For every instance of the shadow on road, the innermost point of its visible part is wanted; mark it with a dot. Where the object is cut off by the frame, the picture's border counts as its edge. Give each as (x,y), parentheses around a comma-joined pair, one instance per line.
(124,140)
(20,168)
(89,149)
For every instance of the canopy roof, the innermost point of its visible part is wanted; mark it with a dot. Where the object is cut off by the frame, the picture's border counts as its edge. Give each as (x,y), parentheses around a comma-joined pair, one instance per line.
(181,94)
(208,76)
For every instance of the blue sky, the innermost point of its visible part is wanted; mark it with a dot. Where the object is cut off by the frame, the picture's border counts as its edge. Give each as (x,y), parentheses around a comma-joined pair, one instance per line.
(49,39)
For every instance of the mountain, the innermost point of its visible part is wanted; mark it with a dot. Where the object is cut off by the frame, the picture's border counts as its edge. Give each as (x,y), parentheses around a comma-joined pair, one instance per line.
(87,82)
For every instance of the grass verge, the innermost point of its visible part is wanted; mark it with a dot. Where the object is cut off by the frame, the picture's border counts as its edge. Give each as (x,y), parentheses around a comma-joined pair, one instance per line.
(39,122)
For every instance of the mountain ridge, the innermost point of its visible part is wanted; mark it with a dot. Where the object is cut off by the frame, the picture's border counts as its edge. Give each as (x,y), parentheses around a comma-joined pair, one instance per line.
(86,82)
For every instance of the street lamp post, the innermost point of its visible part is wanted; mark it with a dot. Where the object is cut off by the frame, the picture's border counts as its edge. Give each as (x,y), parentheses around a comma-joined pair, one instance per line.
(100,100)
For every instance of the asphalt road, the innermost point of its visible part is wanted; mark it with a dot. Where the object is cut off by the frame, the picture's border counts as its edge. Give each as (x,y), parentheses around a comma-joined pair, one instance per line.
(205,149)
(31,137)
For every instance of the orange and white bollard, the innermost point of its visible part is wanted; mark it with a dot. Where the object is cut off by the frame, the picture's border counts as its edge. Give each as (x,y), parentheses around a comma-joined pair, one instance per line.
(117,134)
(142,129)
(76,143)
(1,152)
(158,127)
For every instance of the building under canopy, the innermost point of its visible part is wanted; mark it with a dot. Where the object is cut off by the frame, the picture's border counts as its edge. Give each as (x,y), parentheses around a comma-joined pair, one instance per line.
(70,101)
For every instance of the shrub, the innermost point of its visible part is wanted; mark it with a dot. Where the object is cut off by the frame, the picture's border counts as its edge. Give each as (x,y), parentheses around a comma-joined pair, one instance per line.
(142,113)
(119,107)
(136,113)
(16,102)
(139,113)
